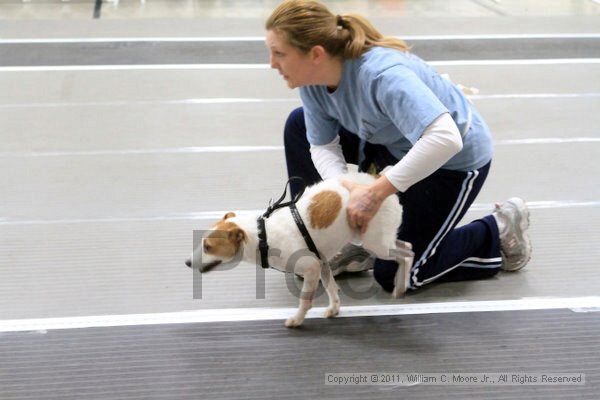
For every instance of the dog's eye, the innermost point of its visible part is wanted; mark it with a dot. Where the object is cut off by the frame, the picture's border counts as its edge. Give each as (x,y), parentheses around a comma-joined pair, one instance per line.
(207,247)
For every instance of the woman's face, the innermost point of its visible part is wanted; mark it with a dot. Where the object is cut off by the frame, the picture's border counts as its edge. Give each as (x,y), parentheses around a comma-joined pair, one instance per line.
(295,66)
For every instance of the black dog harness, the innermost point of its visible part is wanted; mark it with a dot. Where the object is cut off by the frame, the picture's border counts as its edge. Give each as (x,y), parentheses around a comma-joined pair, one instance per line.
(263,246)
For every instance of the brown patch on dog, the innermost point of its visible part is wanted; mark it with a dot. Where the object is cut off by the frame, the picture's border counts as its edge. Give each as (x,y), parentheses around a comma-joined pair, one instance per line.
(324,209)
(224,240)
(230,214)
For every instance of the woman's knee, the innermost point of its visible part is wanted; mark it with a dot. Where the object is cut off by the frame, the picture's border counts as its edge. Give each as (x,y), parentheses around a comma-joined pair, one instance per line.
(384,272)
(294,126)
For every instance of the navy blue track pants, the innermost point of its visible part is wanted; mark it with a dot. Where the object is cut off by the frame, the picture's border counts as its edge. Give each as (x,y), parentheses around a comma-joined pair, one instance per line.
(432,208)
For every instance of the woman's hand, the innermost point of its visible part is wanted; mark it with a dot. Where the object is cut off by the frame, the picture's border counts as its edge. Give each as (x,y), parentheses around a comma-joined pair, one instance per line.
(365,201)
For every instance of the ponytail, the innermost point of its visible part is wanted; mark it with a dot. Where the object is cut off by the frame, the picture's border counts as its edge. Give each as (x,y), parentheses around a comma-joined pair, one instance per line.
(308,23)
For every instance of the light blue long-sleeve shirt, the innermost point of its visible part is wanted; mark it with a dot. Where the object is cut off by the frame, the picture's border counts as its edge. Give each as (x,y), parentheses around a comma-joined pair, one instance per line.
(390,97)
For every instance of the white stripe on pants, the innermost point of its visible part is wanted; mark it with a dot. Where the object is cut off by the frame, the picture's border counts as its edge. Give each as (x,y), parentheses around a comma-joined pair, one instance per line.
(447,226)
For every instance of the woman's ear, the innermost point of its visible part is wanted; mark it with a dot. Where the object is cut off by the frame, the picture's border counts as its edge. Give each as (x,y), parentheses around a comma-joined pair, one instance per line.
(318,53)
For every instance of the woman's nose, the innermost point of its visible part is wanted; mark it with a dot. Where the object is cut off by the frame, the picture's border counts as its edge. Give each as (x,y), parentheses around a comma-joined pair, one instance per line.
(272,62)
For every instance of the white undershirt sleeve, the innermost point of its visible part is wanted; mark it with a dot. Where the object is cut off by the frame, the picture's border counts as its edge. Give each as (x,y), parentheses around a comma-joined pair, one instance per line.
(438,144)
(329,159)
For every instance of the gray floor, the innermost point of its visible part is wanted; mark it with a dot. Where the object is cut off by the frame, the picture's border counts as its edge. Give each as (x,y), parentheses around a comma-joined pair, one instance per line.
(106,172)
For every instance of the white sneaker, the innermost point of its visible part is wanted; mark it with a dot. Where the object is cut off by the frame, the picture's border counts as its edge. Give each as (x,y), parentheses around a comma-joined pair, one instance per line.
(512,218)
(351,258)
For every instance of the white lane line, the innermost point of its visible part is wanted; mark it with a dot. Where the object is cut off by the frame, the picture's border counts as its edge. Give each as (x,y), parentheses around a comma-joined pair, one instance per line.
(527,96)
(175,150)
(250,149)
(215,215)
(144,39)
(262,38)
(510,142)
(542,205)
(59,68)
(214,100)
(549,61)
(250,100)
(577,304)
(503,36)
(194,216)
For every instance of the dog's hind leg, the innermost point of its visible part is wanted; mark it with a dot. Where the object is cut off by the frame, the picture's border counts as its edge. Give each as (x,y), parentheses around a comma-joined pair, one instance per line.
(312,273)
(332,290)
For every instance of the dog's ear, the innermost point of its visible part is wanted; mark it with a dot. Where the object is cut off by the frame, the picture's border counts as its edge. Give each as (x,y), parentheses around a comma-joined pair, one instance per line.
(229,215)
(237,236)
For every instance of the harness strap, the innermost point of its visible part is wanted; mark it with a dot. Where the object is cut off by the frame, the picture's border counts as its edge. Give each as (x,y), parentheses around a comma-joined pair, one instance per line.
(304,231)
(263,246)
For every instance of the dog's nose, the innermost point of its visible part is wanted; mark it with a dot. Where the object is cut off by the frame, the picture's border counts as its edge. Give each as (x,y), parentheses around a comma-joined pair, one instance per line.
(188,262)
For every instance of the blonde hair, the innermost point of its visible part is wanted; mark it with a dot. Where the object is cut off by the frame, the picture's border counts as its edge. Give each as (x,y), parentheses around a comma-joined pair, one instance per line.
(308,23)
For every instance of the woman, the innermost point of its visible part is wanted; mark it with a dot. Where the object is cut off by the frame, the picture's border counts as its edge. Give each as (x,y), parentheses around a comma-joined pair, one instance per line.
(368,101)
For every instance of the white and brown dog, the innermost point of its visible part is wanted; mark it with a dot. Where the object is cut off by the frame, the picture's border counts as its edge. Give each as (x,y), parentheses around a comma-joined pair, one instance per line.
(323,210)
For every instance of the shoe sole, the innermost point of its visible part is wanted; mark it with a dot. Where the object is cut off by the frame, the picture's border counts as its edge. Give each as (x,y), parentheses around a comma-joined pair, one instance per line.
(523,225)
(353,266)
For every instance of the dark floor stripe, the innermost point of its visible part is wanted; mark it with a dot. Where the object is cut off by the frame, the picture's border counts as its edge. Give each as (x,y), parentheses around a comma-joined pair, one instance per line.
(243,52)
(97,9)
(262,359)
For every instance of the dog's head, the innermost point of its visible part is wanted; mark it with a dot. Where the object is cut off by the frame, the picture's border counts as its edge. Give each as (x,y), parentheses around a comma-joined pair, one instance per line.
(219,245)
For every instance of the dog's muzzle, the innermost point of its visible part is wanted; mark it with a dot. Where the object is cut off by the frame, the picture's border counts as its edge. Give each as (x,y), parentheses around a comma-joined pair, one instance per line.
(203,267)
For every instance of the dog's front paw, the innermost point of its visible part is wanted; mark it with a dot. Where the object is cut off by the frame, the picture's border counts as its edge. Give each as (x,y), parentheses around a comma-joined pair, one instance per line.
(332,311)
(293,322)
